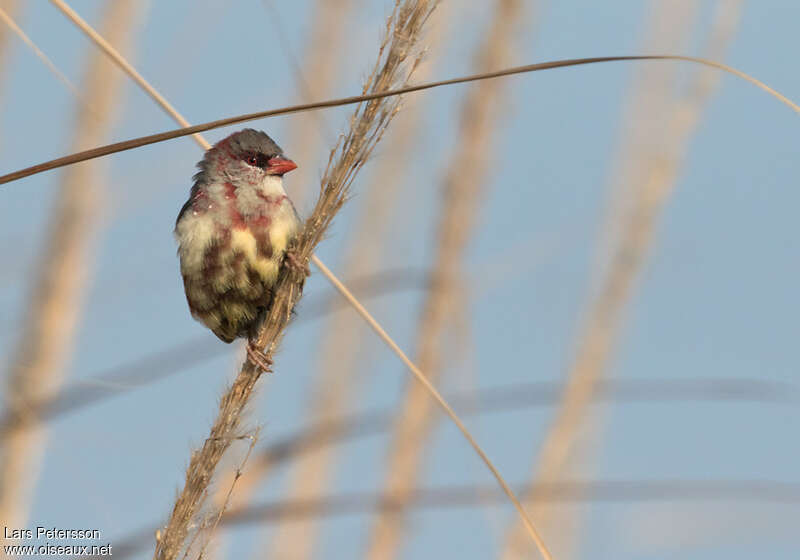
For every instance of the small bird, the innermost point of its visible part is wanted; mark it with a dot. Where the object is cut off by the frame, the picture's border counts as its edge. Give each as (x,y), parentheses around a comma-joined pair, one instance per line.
(233,233)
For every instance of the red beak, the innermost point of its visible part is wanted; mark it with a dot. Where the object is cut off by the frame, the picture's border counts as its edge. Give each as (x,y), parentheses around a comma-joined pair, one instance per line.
(280,165)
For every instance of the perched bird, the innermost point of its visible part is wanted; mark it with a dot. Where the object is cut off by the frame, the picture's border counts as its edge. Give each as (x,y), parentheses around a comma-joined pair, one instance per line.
(233,233)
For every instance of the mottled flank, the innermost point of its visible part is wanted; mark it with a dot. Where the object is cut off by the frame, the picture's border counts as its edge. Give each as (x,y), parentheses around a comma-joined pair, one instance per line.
(233,233)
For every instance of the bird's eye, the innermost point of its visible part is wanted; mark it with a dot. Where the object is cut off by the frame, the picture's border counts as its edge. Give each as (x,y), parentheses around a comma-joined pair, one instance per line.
(256,159)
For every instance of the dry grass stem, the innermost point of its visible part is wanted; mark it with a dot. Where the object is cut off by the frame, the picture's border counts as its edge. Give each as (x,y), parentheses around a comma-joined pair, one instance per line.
(38,363)
(315,78)
(37,369)
(368,138)
(356,99)
(334,203)
(228,495)
(646,115)
(568,491)
(353,149)
(462,193)
(650,96)
(470,496)
(9,21)
(396,60)
(337,380)
(160,364)
(650,180)
(10,10)
(126,66)
(525,396)
(422,379)
(323,57)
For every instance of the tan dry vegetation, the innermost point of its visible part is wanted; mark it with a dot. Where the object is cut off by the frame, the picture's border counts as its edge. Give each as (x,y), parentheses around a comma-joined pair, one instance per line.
(337,385)
(233,404)
(397,58)
(529,68)
(323,57)
(566,491)
(141,141)
(8,19)
(462,191)
(228,425)
(38,365)
(649,166)
(315,79)
(11,8)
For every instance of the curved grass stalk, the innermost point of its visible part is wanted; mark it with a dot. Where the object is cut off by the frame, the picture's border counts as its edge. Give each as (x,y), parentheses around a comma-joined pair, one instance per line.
(647,175)
(337,380)
(39,361)
(462,191)
(355,99)
(368,124)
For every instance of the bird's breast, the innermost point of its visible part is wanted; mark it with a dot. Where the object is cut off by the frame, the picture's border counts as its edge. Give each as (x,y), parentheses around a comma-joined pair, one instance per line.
(263,240)
(238,239)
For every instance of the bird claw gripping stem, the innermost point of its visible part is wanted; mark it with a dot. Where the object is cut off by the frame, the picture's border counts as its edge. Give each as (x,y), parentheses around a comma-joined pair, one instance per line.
(294,262)
(259,359)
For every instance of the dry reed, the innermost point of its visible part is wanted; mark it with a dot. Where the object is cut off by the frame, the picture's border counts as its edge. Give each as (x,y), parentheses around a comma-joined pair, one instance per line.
(330,201)
(646,116)
(38,365)
(456,497)
(141,141)
(228,495)
(572,491)
(337,382)
(106,47)
(118,59)
(10,9)
(650,167)
(657,201)
(530,395)
(8,19)
(462,192)
(160,364)
(315,79)
(323,57)
(396,60)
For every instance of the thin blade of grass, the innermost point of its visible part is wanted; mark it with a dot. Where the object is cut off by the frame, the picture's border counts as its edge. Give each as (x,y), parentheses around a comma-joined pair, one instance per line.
(37,365)
(9,21)
(355,99)
(647,176)
(339,380)
(324,56)
(367,126)
(462,192)
(458,497)
(126,66)
(447,409)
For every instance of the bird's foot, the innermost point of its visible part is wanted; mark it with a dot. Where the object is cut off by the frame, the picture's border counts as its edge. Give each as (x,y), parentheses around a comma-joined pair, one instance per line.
(296,263)
(260,359)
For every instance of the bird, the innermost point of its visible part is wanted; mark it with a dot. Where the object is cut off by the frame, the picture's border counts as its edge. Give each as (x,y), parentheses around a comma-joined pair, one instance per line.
(233,233)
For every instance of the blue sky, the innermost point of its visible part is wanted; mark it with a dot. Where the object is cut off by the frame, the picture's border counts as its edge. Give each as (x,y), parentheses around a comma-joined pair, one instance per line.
(716,300)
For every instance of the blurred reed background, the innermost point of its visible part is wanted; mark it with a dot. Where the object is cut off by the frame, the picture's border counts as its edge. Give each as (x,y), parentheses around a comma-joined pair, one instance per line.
(596,265)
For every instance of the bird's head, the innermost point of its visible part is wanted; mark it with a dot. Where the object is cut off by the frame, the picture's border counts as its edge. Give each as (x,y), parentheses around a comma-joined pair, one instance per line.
(247,158)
